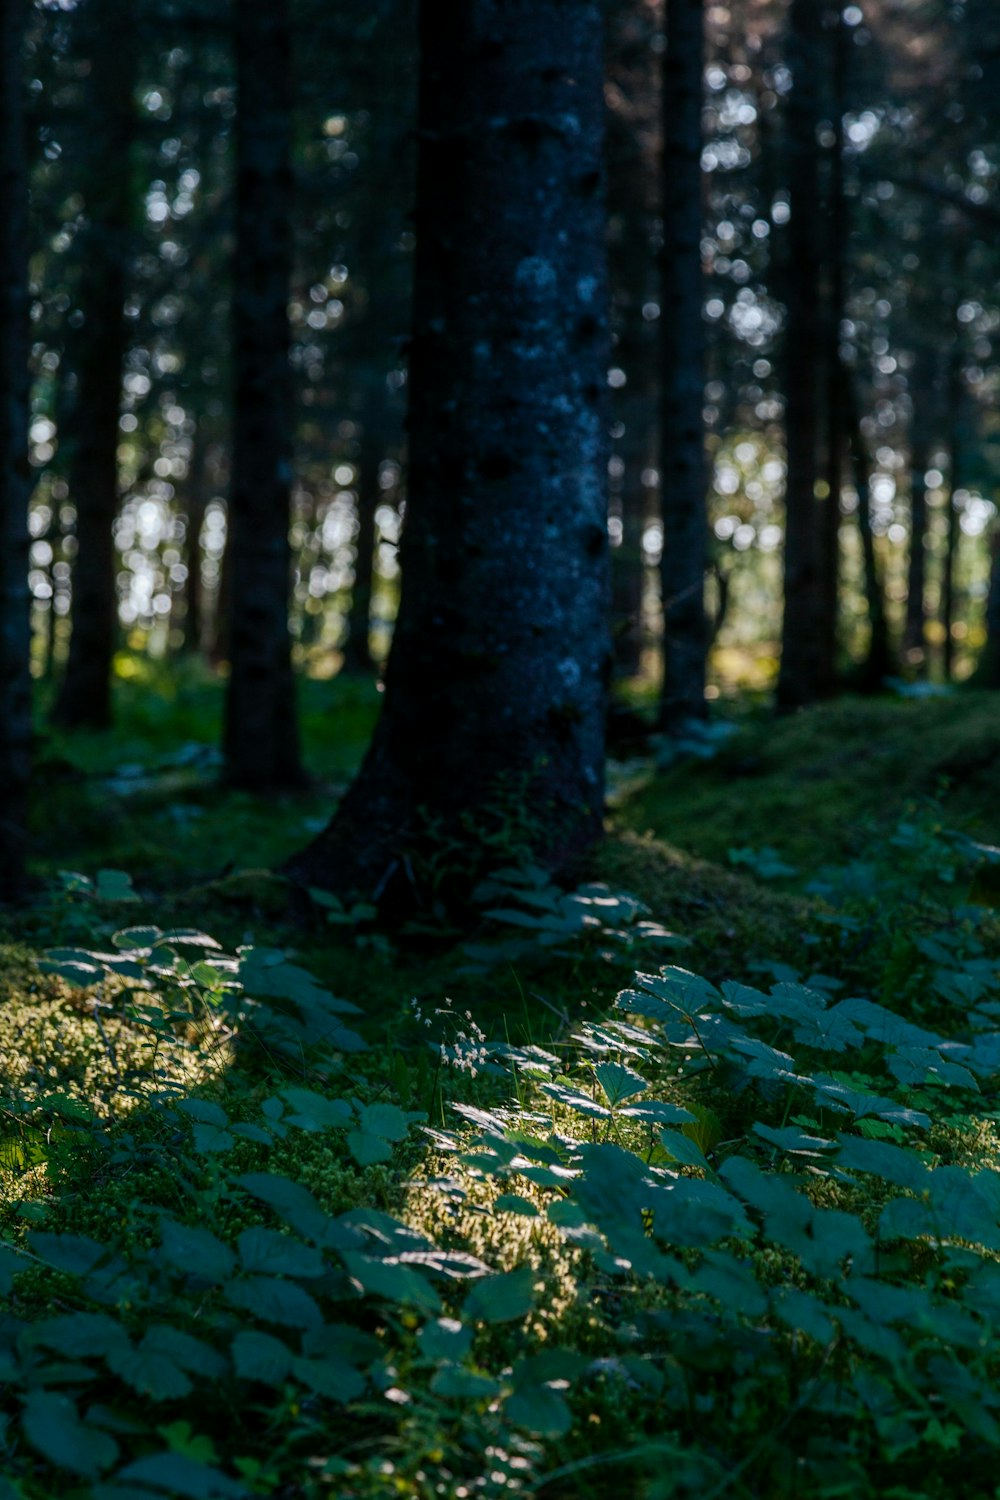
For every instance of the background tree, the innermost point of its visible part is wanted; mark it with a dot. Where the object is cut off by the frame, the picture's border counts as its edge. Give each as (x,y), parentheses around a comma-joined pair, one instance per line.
(496,682)
(261,733)
(15,680)
(682,435)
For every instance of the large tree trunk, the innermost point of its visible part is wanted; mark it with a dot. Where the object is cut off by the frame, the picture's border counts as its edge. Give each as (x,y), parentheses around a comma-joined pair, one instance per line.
(96,352)
(682,462)
(801,663)
(495,689)
(15,678)
(261,732)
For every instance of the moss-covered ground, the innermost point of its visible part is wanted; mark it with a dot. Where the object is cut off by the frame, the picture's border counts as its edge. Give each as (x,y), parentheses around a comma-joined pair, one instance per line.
(588,1337)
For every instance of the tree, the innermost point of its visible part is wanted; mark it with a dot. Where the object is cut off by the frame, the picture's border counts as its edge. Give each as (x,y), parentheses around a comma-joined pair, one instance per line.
(96,351)
(15,679)
(261,731)
(682,462)
(495,688)
(801,640)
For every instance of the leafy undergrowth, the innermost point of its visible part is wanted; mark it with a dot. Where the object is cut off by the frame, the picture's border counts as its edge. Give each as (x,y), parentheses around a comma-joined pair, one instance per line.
(288,1209)
(735,1232)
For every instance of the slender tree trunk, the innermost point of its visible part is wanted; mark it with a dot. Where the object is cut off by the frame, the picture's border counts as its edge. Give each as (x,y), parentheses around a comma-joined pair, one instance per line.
(682,462)
(261,732)
(878,662)
(357,647)
(801,662)
(952,534)
(495,689)
(193,621)
(96,352)
(988,667)
(15,486)
(628,567)
(837,241)
(914,643)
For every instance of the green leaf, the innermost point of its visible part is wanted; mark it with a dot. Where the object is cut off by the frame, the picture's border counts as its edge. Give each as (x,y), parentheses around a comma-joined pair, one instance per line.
(136,937)
(539,1410)
(790,1139)
(275,1301)
(445,1338)
(190,1353)
(396,1283)
(368,1149)
(79,1335)
(657,1112)
(681,1148)
(573,1099)
(52,1426)
(149,1373)
(330,1377)
(268,1252)
(503,1298)
(197,1252)
(260,1356)
(619,1082)
(893,1164)
(114,885)
(454,1382)
(513,1203)
(204,1111)
(314,1112)
(181,1476)
(67,1252)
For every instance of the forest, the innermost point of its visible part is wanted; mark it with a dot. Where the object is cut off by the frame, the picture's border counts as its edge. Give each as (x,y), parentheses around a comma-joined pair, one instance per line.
(499,711)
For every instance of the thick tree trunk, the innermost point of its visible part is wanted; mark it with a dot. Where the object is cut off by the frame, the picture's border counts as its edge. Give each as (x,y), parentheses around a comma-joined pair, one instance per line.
(801,663)
(15,677)
(682,462)
(357,648)
(261,741)
(495,689)
(96,354)
(914,643)
(988,667)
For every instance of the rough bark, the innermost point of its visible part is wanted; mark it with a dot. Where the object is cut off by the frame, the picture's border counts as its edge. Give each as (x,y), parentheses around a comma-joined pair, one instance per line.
(495,689)
(682,463)
(261,741)
(15,678)
(801,667)
(96,353)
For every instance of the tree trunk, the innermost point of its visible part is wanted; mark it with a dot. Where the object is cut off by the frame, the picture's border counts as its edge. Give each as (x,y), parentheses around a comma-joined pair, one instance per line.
(837,242)
(914,644)
(15,486)
(951,536)
(193,619)
(988,667)
(493,717)
(628,566)
(357,648)
(96,352)
(261,741)
(801,665)
(878,662)
(682,462)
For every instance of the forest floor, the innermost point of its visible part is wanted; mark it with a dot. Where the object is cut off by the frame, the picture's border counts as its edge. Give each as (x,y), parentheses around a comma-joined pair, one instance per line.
(289,1207)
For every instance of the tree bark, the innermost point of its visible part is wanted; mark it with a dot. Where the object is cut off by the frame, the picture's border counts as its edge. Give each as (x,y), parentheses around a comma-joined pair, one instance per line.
(878,663)
(15,485)
(357,648)
(838,229)
(951,535)
(682,463)
(495,689)
(96,352)
(261,740)
(801,665)
(914,643)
